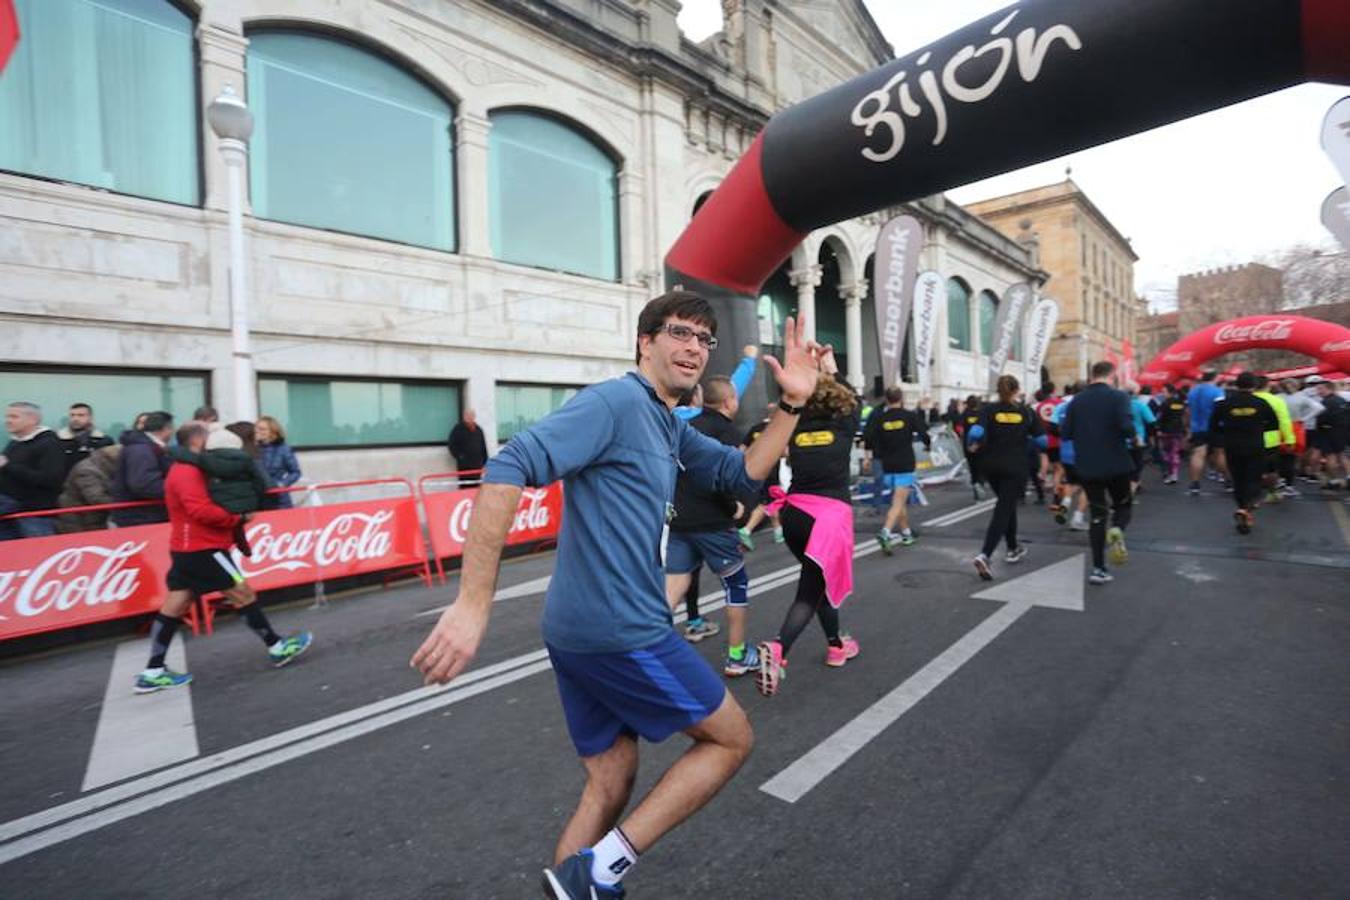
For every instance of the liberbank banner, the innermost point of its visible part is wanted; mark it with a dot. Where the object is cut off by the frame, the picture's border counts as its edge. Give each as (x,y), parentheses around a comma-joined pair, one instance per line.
(897,262)
(1016,301)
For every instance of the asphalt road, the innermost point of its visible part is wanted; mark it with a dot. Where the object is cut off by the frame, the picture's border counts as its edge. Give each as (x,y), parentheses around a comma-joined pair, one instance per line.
(1186,734)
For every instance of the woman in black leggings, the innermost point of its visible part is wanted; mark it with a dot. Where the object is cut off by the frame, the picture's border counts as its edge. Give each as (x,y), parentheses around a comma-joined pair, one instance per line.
(1001,438)
(817,519)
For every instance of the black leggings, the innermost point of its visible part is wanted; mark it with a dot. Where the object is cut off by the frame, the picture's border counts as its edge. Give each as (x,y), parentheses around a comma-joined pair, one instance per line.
(691,595)
(1117,488)
(1003,524)
(810,600)
(1246,470)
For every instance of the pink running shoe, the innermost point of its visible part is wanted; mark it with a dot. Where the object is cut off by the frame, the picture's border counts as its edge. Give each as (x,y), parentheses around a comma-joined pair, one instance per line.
(772,668)
(837,656)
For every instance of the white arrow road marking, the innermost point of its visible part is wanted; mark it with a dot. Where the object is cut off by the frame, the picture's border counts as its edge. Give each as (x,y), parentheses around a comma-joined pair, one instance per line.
(1059,586)
(961,515)
(140,732)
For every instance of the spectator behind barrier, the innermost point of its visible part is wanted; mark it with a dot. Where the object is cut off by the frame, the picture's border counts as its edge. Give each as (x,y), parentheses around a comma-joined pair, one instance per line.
(233,480)
(277,459)
(31,470)
(90,483)
(141,470)
(468,445)
(79,439)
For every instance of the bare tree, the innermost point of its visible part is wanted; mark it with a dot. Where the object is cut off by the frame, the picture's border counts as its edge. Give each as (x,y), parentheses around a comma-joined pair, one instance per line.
(1314,277)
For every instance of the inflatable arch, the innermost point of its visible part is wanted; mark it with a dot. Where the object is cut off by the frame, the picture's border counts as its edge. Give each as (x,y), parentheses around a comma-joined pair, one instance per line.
(1029,83)
(1327,342)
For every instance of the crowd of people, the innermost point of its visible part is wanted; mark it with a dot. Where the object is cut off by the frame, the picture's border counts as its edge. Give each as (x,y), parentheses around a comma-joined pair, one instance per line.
(80,466)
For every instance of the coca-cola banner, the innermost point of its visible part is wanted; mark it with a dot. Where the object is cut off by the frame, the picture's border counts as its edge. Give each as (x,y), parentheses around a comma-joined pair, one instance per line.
(73,579)
(1318,338)
(538,518)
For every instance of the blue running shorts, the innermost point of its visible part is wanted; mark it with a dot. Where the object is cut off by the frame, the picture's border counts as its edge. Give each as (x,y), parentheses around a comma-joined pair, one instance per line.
(899,480)
(653,692)
(687,550)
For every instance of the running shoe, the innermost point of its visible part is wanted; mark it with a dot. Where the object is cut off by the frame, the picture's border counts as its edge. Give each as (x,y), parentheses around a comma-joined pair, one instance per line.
(1274,496)
(1015,555)
(981,564)
(149,681)
(1079,522)
(907,538)
(1194,490)
(1061,513)
(1170,479)
(1116,551)
(698,629)
(778,537)
(1244,521)
(772,668)
(572,880)
(1100,576)
(979,493)
(735,668)
(884,540)
(746,540)
(837,656)
(288,648)
(1288,490)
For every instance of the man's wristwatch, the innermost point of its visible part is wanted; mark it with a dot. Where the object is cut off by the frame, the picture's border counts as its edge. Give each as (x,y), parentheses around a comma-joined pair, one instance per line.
(789,408)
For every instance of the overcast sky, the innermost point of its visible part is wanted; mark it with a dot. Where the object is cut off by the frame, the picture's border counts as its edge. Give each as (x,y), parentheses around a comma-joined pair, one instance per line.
(1239,184)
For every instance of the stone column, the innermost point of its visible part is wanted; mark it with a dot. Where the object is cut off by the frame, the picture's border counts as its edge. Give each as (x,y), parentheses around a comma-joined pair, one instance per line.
(806,281)
(852,296)
(632,226)
(471,133)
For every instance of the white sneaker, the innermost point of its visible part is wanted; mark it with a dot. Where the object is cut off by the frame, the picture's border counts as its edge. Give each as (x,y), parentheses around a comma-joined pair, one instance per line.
(1078,522)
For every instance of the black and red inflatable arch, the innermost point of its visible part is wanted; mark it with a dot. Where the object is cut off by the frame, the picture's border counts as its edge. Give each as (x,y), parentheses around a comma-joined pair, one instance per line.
(1031,82)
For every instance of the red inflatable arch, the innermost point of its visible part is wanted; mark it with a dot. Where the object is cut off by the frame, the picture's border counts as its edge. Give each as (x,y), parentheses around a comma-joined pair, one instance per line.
(1326,342)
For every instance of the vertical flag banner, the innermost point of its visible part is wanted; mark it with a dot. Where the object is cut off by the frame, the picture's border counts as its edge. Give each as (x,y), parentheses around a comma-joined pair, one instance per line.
(928,289)
(1336,137)
(897,261)
(1336,215)
(1016,301)
(9,31)
(1044,318)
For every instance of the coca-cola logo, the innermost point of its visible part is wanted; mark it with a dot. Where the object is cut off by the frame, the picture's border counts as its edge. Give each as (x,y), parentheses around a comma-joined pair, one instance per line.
(1268,330)
(350,537)
(531,515)
(1336,346)
(74,576)
(1183,356)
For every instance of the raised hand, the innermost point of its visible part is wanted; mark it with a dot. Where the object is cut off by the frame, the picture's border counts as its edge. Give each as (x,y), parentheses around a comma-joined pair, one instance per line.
(799,371)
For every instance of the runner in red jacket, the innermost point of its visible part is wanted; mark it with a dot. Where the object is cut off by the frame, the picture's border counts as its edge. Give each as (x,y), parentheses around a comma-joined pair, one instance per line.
(201,536)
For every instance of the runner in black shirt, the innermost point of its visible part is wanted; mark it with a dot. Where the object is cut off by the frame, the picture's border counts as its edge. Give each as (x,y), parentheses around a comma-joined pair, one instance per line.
(1000,438)
(969,419)
(818,522)
(1172,417)
(1242,421)
(889,436)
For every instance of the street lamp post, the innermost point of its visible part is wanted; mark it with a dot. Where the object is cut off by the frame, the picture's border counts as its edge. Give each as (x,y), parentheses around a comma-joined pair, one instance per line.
(233,125)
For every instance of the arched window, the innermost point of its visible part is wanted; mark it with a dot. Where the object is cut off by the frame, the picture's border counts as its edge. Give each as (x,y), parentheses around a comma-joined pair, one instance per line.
(554,199)
(104,94)
(702,199)
(346,140)
(988,314)
(958,314)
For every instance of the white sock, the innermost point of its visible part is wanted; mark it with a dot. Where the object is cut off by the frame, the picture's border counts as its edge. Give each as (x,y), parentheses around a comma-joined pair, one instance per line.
(614,856)
(906,532)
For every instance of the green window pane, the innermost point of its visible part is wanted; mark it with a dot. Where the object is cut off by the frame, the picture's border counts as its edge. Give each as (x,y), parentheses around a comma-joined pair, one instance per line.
(521,405)
(320,412)
(102,92)
(553,197)
(988,313)
(958,315)
(116,398)
(347,141)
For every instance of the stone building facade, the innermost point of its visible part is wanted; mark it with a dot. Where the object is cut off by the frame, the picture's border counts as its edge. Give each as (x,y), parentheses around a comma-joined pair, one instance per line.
(409,253)
(1091,268)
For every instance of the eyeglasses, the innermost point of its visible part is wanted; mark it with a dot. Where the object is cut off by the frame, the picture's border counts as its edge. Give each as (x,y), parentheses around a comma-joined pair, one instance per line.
(684,334)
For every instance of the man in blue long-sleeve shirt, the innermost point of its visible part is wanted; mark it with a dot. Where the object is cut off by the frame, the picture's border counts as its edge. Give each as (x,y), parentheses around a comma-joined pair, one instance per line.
(621,668)
(1101,426)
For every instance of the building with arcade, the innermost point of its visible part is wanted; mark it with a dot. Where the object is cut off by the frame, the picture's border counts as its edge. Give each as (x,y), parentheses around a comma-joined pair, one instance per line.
(448,205)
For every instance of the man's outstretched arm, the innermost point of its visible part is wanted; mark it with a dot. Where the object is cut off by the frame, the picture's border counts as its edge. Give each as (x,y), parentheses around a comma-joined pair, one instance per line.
(454,641)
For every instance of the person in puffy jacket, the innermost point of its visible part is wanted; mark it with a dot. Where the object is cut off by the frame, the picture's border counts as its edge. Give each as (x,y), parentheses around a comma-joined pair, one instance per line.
(233,479)
(141,470)
(277,459)
(90,483)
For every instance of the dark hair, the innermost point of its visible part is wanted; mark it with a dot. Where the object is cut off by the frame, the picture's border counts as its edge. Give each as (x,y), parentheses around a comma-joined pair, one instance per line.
(1048,387)
(1146,391)
(1007,388)
(716,390)
(189,431)
(206,414)
(157,421)
(82,406)
(895,395)
(1072,388)
(1262,381)
(1247,381)
(1208,376)
(1103,369)
(678,304)
(1170,388)
(245,432)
